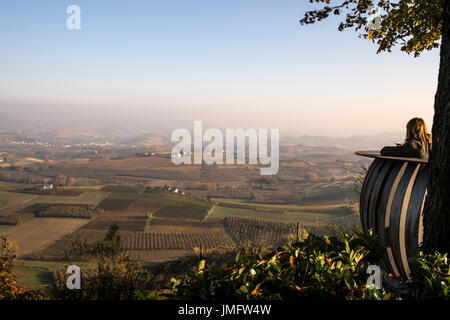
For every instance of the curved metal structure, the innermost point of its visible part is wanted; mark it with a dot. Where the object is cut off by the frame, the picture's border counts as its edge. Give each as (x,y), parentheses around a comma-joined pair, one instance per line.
(391,204)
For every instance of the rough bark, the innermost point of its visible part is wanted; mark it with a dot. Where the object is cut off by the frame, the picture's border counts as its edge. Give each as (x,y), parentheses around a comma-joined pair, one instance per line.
(437,205)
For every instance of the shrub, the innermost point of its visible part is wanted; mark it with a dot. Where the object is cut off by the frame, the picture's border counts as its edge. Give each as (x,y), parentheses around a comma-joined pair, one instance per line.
(114,277)
(430,277)
(319,267)
(9,288)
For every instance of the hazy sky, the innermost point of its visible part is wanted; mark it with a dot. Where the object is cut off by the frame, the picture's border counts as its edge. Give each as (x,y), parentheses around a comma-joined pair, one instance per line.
(233,63)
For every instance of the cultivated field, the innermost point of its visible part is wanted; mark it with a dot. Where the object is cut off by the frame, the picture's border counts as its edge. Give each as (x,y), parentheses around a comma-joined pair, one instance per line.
(259,233)
(148,221)
(14,201)
(153,220)
(157,225)
(221,205)
(134,241)
(302,214)
(39,232)
(8,199)
(176,241)
(114,205)
(126,223)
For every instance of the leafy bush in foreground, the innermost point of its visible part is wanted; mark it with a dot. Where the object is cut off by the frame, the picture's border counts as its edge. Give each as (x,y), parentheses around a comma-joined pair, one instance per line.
(114,276)
(9,287)
(430,277)
(319,268)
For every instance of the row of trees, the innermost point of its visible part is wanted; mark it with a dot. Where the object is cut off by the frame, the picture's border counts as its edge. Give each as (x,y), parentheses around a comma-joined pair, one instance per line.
(25,177)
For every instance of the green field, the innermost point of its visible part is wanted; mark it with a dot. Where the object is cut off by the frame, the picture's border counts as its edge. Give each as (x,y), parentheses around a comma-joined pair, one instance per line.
(8,199)
(89,197)
(11,202)
(5,228)
(112,204)
(36,273)
(335,208)
(281,213)
(196,211)
(261,206)
(169,205)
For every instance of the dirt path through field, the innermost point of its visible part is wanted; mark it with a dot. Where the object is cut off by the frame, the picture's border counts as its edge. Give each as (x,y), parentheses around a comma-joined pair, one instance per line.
(38,232)
(211,210)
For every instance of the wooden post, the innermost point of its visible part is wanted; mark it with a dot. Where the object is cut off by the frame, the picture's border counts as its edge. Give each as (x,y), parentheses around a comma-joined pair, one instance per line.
(201,251)
(317,225)
(298,232)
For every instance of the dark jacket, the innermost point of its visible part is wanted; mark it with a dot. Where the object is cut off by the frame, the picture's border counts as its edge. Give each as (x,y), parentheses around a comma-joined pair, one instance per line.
(410,148)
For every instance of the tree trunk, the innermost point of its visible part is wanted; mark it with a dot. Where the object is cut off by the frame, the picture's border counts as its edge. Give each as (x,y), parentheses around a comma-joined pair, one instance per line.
(436,217)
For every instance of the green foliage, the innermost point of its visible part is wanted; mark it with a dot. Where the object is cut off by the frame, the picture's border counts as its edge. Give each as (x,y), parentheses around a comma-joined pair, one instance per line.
(149,295)
(319,268)
(415,25)
(430,277)
(9,287)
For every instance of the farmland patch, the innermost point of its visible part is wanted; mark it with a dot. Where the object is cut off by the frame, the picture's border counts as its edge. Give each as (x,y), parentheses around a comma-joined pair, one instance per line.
(188,211)
(39,232)
(111,204)
(130,223)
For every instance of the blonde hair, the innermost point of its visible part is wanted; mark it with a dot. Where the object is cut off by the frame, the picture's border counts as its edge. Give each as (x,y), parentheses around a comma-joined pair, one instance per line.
(417,130)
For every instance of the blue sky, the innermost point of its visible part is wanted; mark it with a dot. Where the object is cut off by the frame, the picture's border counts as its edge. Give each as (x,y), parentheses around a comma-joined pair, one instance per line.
(245,63)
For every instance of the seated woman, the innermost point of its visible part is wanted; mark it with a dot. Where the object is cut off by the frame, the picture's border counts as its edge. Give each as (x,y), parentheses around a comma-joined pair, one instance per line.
(416,145)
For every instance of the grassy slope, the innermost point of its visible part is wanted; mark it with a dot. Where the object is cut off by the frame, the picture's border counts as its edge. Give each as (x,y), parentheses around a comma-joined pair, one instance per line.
(8,199)
(282,213)
(5,228)
(288,216)
(37,273)
(39,232)
(89,197)
(12,202)
(172,205)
